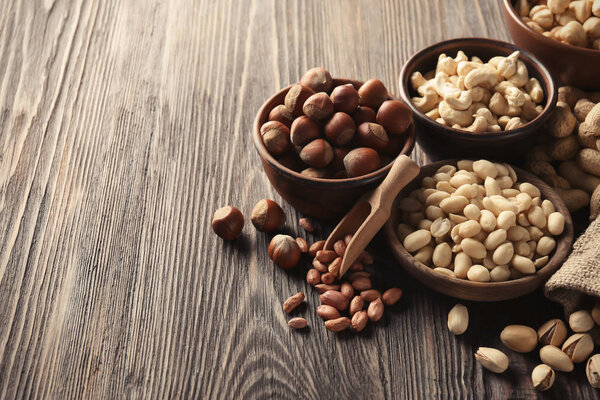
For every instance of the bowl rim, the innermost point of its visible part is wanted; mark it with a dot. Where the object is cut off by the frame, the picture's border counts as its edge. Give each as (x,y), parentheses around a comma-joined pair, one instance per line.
(565,239)
(345,182)
(550,90)
(509,7)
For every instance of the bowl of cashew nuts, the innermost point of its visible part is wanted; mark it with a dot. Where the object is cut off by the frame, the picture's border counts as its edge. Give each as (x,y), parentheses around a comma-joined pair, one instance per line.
(477,97)
(564,34)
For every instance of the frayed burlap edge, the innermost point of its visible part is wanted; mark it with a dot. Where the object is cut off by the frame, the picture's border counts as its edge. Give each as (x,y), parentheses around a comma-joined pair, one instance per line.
(579,277)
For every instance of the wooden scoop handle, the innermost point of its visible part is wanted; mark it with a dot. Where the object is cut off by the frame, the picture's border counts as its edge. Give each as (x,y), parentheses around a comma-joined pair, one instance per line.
(402,172)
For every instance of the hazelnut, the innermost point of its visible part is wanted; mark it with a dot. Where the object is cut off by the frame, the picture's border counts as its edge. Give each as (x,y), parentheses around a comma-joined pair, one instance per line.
(340,129)
(363,114)
(276,137)
(228,222)
(267,216)
(281,114)
(338,157)
(394,116)
(316,173)
(361,161)
(372,135)
(295,98)
(345,98)
(318,79)
(372,93)
(304,131)
(284,251)
(317,153)
(318,106)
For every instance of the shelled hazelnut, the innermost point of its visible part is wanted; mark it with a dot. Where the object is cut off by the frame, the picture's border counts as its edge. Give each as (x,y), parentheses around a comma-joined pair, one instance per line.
(319,125)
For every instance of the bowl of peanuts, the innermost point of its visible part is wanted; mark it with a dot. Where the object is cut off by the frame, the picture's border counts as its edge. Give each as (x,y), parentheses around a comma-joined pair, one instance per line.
(477,97)
(564,34)
(479,230)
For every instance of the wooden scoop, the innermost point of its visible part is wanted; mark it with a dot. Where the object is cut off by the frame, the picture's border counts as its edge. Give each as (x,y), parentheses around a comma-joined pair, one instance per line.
(371,212)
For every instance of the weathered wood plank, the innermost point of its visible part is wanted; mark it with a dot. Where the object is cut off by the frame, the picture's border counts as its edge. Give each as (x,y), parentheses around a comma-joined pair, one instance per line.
(123,125)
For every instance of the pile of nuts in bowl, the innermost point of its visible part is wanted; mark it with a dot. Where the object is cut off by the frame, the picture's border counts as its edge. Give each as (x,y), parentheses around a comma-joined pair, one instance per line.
(573,22)
(478,97)
(567,155)
(338,132)
(476,221)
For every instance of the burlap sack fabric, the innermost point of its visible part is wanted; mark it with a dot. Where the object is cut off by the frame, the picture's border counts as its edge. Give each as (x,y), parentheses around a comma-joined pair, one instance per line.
(579,277)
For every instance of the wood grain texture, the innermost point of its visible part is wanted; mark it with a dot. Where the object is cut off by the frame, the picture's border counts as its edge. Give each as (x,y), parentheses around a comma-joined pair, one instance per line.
(123,126)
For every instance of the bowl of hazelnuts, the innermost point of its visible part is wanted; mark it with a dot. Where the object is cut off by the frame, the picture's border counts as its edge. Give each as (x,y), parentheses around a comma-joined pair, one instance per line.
(324,142)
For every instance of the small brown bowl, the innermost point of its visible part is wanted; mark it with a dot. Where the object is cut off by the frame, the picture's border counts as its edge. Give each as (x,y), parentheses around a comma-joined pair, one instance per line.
(569,65)
(480,291)
(443,141)
(316,197)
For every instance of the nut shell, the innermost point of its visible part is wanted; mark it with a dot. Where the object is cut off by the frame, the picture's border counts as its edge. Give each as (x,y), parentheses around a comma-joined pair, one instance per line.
(228,222)
(276,137)
(345,98)
(361,161)
(520,338)
(284,251)
(295,98)
(267,216)
(281,114)
(318,79)
(363,114)
(317,154)
(318,106)
(372,93)
(303,131)
(370,134)
(340,129)
(394,116)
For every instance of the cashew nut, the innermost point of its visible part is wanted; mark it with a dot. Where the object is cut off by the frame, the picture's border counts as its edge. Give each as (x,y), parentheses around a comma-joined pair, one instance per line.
(433,114)
(464,67)
(440,120)
(534,89)
(461,56)
(446,64)
(417,80)
(428,101)
(477,106)
(429,75)
(495,61)
(508,66)
(443,87)
(484,77)
(521,76)
(515,96)
(487,114)
(452,116)
(480,124)
(498,104)
(462,102)
(477,60)
(514,123)
(503,120)
(494,128)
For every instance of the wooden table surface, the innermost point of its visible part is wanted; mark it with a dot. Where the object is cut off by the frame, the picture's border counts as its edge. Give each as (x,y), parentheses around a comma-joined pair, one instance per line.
(123,126)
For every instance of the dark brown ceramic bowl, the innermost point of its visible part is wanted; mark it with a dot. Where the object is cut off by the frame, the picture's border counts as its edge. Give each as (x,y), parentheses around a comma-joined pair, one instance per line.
(481,291)
(569,65)
(316,197)
(442,141)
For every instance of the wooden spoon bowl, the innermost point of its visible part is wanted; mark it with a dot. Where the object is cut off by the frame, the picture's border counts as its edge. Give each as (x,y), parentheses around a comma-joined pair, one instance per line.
(480,291)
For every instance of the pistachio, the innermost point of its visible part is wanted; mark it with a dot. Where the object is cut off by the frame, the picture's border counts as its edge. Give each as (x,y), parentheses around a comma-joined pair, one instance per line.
(581,321)
(553,332)
(556,358)
(578,347)
(492,359)
(592,370)
(519,338)
(542,377)
(458,319)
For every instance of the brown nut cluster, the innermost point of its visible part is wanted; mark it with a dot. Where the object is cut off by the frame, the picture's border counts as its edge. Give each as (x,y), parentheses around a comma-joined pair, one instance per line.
(349,302)
(336,132)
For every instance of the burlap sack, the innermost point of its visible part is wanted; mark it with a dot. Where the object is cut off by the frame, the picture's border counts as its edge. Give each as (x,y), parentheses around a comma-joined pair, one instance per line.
(579,277)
